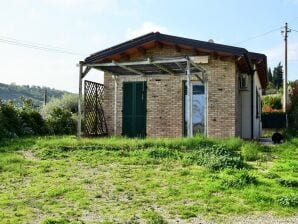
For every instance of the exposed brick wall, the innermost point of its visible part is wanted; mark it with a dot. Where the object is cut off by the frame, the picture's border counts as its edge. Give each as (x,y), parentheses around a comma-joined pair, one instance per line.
(165,98)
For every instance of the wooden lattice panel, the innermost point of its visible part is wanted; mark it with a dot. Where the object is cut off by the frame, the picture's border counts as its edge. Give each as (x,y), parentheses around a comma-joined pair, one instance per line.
(94,119)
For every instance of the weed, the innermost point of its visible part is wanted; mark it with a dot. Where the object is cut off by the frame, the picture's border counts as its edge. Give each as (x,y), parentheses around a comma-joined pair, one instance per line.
(240,180)
(288,183)
(288,201)
(153,217)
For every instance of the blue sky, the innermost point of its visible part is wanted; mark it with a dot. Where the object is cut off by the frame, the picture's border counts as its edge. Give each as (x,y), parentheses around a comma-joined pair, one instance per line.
(86,26)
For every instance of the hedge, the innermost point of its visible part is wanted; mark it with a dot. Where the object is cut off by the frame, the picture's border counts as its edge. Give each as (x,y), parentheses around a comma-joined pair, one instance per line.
(274,120)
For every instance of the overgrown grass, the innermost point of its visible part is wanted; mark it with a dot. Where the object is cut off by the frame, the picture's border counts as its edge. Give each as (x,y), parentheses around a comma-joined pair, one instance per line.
(108,180)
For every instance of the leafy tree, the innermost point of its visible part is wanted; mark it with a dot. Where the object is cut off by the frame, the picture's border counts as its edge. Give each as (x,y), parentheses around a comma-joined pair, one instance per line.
(270,76)
(277,77)
(66,102)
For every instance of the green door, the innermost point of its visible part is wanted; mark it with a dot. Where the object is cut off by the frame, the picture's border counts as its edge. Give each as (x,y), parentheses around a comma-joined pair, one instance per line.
(134,109)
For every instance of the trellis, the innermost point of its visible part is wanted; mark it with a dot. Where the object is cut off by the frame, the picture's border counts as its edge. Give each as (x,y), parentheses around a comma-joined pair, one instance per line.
(94,119)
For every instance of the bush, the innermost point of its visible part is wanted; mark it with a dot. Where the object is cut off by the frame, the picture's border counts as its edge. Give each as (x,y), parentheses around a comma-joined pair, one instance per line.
(250,151)
(10,121)
(273,102)
(288,183)
(288,201)
(239,180)
(61,122)
(216,157)
(293,110)
(67,102)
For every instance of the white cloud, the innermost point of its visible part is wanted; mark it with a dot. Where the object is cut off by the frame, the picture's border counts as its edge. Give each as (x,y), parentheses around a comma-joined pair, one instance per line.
(276,53)
(146,27)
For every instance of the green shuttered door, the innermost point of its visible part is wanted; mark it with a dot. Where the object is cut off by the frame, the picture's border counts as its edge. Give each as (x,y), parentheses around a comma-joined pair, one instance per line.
(134,109)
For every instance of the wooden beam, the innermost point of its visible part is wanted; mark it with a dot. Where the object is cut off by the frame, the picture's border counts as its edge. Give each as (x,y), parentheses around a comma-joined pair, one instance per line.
(178,48)
(128,68)
(159,44)
(142,50)
(161,67)
(124,56)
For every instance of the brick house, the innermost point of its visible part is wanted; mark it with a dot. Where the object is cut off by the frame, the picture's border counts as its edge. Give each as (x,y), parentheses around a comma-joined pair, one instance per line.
(160,85)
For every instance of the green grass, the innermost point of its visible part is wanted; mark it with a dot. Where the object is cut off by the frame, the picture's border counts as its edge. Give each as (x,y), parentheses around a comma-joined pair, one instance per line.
(118,180)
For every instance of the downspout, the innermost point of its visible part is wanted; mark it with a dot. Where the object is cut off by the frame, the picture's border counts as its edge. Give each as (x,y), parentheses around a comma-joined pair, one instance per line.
(251,71)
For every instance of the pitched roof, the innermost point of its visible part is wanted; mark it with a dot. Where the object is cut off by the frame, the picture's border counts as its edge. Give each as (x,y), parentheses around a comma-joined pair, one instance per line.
(259,59)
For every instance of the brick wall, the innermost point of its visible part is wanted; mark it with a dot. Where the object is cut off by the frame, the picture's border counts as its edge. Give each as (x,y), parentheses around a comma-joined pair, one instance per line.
(165,98)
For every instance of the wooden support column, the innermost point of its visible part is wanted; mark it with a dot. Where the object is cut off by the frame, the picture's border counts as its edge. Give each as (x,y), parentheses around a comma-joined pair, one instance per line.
(79,130)
(189,93)
(115,103)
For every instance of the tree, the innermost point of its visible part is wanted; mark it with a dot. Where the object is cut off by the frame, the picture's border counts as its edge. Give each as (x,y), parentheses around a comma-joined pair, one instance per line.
(277,77)
(270,76)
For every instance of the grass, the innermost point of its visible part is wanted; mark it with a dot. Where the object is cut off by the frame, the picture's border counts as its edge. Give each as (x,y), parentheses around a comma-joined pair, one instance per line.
(119,180)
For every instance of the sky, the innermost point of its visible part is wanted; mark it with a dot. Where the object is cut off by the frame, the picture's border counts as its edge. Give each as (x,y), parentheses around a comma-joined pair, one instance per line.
(77,28)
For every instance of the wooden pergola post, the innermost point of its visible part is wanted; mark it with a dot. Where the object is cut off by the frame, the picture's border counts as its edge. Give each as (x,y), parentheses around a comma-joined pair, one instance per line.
(189,93)
(82,74)
(79,130)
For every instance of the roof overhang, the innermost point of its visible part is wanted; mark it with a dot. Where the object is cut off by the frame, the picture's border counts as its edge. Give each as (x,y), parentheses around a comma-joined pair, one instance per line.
(117,59)
(150,66)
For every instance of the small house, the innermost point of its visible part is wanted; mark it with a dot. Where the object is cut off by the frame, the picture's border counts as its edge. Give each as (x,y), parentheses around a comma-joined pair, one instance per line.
(159,85)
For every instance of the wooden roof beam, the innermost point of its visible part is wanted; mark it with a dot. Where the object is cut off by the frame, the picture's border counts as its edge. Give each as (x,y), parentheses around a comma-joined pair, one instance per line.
(128,68)
(159,44)
(142,50)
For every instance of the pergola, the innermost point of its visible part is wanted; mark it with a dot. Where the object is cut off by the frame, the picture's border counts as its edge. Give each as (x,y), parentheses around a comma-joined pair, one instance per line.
(151,66)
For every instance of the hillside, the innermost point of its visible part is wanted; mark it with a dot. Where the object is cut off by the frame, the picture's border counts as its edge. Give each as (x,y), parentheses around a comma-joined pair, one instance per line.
(36,93)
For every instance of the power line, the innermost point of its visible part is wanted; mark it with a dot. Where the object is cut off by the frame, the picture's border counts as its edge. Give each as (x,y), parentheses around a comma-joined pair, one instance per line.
(37,46)
(259,35)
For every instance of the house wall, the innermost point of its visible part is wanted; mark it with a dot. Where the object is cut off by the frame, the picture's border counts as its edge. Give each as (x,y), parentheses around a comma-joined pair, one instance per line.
(246,109)
(165,98)
(257,121)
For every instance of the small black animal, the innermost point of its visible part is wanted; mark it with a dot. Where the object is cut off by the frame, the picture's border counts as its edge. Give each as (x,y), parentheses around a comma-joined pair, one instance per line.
(277,138)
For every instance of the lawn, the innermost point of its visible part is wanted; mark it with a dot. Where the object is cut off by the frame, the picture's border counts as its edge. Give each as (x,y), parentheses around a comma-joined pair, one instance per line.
(117,180)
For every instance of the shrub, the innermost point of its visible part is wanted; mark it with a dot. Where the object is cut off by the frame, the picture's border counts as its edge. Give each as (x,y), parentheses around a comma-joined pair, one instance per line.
(250,151)
(216,157)
(239,180)
(55,221)
(273,102)
(288,201)
(67,102)
(61,122)
(288,183)
(10,121)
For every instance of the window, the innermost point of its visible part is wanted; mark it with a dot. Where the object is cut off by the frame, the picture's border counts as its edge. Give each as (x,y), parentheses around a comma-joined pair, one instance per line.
(243,82)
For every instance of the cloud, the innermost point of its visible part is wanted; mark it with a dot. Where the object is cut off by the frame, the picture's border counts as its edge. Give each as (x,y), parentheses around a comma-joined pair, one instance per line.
(276,53)
(146,27)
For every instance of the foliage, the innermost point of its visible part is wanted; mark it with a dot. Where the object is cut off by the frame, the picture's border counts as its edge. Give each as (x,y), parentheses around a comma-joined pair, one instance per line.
(250,151)
(61,122)
(277,77)
(15,93)
(139,180)
(288,183)
(289,201)
(271,103)
(293,109)
(239,180)
(10,120)
(67,102)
